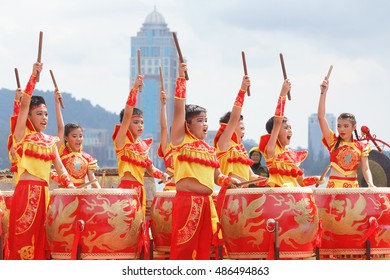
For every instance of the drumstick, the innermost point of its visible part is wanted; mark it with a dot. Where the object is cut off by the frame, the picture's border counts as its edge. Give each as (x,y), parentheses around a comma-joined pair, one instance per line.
(17,78)
(284,73)
(161,79)
(245,70)
(39,51)
(328,75)
(55,85)
(139,65)
(169,178)
(251,181)
(324,174)
(329,72)
(179,52)
(87,184)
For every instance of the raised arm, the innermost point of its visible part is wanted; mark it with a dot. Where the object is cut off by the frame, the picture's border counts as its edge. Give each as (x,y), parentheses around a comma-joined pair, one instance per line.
(163,123)
(60,121)
(18,97)
(25,102)
(179,116)
(128,113)
(278,118)
(321,110)
(224,139)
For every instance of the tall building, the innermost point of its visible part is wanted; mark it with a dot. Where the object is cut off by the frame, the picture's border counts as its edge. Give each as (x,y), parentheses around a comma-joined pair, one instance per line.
(317,150)
(157,48)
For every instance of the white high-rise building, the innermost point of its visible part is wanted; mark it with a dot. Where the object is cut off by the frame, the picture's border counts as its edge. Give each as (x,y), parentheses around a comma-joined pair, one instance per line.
(317,150)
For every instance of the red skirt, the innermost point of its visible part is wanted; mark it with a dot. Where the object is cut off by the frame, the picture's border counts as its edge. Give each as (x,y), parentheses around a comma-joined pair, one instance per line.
(27,236)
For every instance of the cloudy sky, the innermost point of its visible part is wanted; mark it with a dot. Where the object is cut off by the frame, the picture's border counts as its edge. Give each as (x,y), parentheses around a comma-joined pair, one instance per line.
(87,45)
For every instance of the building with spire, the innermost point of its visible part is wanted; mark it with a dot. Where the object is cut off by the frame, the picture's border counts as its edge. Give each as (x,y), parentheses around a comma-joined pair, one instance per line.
(157,48)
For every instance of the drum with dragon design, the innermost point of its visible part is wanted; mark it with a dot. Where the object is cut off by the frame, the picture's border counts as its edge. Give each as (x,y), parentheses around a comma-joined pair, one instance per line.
(246,213)
(111,219)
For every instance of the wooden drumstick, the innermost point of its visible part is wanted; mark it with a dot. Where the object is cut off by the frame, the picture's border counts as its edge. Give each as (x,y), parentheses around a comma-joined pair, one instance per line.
(87,184)
(251,181)
(179,52)
(324,174)
(39,51)
(55,85)
(17,78)
(284,73)
(245,70)
(139,65)
(161,79)
(169,178)
(328,75)
(329,72)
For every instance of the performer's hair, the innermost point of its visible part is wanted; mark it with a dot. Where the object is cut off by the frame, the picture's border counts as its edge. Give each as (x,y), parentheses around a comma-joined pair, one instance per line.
(70,126)
(270,124)
(193,110)
(136,111)
(225,118)
(352,119)
(36,100)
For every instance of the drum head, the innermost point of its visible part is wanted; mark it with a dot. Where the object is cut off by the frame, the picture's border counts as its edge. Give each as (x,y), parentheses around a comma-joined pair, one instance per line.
(380,169)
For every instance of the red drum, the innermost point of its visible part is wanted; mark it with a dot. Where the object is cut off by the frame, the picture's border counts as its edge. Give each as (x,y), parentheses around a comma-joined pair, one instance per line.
(245,218)
(161,219)
(111,219)
(5,206)
(348,218)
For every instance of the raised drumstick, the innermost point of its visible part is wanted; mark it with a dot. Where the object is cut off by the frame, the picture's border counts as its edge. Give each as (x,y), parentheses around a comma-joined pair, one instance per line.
(245,70)
(179,52)
(329,72)
(139,65)
(17,78)
(284,73)
(39,51)
(328,75)
(161,79)
(55,85)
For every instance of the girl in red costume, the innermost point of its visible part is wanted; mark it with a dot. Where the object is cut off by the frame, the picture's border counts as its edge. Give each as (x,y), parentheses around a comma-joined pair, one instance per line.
(231,153)
(165,148)
(131,150)
(283,163)
(345,152)
(78,163)
(35,153)
(196,170)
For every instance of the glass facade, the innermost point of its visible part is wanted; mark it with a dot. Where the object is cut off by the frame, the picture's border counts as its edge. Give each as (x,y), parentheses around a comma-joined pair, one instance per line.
(155,41)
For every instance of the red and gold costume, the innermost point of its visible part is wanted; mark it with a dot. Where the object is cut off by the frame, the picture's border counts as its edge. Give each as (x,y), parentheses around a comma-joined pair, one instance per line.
(35,152)
(283,167)
(133,158)
(171,186)
(193,214)
(345,159)
(235,160)
(77,164)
